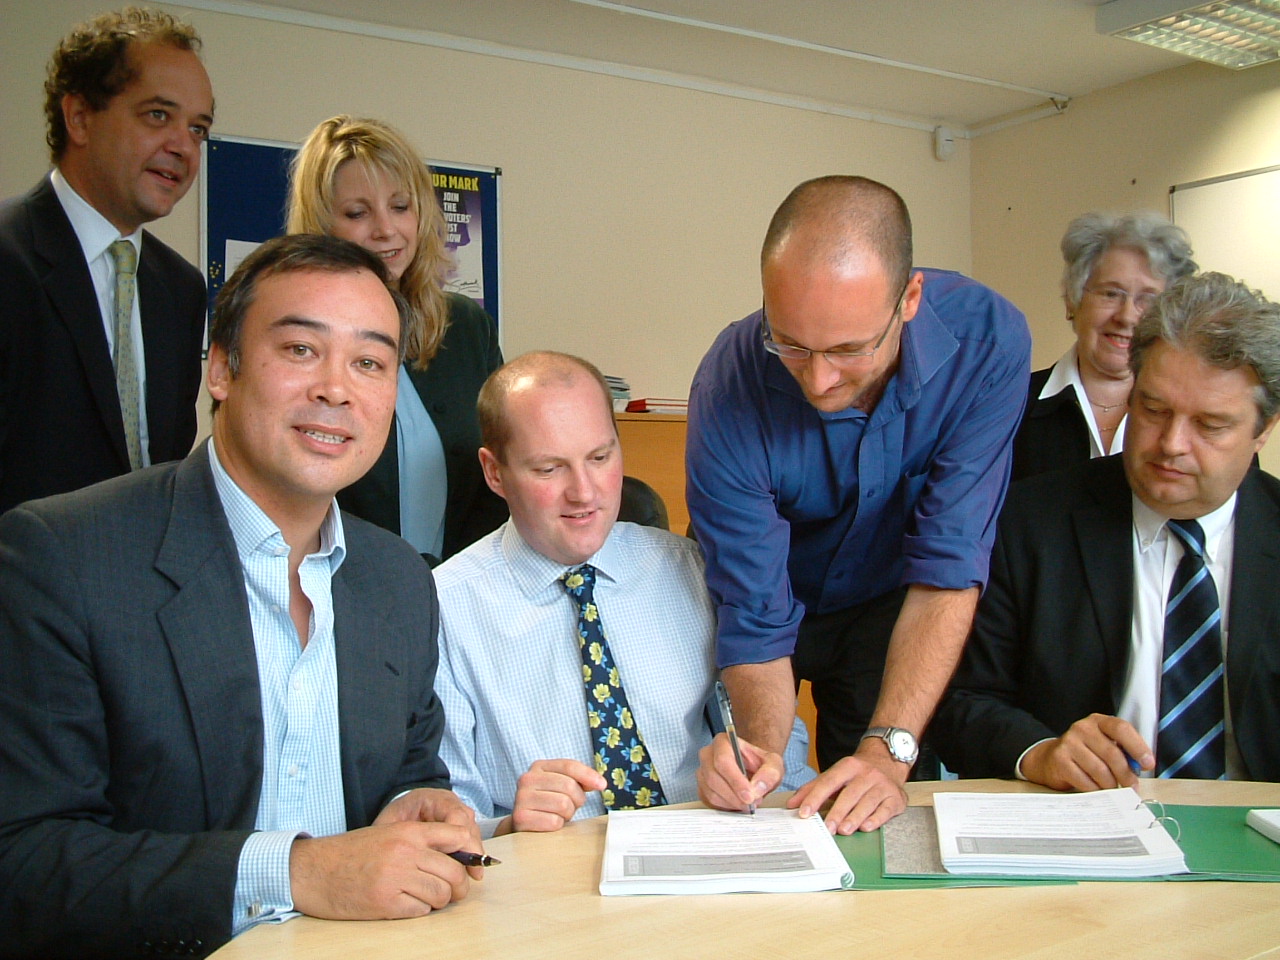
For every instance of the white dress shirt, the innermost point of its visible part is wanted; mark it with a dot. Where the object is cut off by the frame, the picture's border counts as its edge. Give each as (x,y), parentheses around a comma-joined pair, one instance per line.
(1155,558)
(1066,373)
(96,234)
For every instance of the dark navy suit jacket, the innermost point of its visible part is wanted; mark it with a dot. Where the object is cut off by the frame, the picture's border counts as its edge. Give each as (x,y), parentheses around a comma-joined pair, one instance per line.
(1051,639)
(60,423)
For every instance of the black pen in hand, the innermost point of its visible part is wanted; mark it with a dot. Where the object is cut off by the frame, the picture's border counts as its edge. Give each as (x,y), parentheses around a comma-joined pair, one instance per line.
(469,859)
(726,717)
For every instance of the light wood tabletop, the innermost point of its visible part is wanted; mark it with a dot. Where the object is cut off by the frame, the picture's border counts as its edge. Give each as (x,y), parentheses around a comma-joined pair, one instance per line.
(543,902)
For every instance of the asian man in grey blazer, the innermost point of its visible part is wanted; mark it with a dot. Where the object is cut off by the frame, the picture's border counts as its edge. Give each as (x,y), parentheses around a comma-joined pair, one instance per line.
(216,689)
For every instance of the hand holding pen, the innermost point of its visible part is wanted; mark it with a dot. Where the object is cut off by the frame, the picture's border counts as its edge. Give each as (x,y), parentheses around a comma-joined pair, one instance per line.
(731,731)
(733,779)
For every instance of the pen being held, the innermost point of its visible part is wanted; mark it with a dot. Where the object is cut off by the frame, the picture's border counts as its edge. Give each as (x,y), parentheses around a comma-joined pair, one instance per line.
(726,716)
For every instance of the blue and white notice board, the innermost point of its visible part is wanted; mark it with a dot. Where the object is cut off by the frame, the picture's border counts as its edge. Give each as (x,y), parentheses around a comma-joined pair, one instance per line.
(242,203)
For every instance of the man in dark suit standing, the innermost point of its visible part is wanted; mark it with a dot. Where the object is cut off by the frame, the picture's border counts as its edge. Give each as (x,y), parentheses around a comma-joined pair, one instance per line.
(216,688)
(1132,622)
(101,324)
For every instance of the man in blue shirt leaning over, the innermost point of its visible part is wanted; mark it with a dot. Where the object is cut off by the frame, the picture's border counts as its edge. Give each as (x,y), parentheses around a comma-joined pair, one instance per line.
(848,454)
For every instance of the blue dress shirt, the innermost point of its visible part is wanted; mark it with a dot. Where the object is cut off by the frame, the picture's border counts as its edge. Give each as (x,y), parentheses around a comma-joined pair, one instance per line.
(510,675)
(800,510)
(424,481)
(302,790)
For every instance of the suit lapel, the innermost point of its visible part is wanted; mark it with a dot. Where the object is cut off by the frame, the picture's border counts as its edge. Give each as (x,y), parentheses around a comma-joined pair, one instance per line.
(207,627)
(1104,539)
(1255,573)
(70,289)
(371,675)
(164,347)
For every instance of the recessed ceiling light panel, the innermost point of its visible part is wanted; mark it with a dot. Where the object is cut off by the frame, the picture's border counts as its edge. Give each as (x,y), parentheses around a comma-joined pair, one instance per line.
(1230,33)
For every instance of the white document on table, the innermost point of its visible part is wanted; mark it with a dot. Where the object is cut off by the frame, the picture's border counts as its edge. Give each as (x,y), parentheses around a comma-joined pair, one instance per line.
(663,850)
(1107,833)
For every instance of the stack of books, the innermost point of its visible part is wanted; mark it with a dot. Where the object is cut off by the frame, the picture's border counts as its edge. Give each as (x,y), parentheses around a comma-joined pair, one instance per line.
(621,391)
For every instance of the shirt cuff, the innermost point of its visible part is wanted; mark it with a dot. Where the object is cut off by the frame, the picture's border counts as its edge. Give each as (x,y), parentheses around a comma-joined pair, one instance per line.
(263,893)
(1017,767)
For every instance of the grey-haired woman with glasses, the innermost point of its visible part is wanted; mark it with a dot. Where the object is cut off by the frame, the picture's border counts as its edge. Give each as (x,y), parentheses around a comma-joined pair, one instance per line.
(1114,267)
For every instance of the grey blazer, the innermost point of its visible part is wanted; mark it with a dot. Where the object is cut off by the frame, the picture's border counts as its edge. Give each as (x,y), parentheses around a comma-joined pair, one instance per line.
(131,757)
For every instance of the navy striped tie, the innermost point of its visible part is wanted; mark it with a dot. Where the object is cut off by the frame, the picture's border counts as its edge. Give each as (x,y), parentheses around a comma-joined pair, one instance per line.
(1191,738)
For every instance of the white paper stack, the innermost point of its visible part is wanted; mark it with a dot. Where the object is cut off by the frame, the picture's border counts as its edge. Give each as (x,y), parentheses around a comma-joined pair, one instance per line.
(1108,833)
(668,850)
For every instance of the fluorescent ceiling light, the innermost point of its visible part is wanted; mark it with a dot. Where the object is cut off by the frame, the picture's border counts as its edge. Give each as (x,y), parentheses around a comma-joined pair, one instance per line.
(1231,33)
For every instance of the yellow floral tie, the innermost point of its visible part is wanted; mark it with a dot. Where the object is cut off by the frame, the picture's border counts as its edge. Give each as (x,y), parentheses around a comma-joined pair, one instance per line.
(620,754)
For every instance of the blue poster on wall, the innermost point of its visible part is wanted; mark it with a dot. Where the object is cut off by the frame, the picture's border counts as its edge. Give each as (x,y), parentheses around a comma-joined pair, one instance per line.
(243,191)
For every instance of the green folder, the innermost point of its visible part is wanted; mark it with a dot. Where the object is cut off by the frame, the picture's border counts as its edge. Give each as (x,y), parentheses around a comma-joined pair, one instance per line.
(1217,842)
(864,852)
(1220,845)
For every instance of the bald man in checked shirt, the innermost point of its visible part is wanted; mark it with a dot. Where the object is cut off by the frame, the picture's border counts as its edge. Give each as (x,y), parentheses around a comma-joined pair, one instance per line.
(518,743)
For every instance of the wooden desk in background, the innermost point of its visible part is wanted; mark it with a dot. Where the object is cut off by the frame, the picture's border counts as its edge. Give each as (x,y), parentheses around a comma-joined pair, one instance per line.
(653,451)
(542,903)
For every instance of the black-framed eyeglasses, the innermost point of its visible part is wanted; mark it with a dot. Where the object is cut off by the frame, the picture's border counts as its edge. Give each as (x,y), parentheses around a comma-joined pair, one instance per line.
(838,358)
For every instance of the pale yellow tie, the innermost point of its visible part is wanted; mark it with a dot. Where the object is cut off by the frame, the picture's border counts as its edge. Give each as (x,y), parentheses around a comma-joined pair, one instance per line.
(123,357)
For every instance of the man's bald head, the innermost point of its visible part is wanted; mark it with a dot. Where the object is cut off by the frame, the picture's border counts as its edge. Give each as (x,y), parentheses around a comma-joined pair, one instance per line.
(536,369)
(834,220)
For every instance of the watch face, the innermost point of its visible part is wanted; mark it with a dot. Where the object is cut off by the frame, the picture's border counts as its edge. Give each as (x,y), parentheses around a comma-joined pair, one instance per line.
(902,744)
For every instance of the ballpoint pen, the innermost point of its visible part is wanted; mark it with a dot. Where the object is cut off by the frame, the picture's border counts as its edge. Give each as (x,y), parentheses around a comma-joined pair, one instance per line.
(726,717)
(469,859)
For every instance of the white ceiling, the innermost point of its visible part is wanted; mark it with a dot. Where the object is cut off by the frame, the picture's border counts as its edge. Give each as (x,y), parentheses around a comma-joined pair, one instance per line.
(1049,47)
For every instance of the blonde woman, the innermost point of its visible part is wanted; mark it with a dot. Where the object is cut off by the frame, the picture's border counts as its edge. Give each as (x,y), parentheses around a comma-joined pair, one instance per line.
(361,180)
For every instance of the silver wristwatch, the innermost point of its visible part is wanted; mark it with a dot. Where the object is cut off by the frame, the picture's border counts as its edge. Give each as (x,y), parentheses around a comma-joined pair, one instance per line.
(901,743)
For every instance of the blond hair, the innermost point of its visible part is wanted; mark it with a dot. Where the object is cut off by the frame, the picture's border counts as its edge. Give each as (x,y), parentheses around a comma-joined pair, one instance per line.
(378,146)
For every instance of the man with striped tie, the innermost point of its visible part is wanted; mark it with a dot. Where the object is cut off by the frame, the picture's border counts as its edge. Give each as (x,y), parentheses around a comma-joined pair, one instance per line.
(1132,623)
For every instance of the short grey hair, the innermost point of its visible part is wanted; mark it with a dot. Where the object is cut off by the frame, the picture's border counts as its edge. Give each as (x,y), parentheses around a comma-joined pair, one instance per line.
(1165,245)
(1224,323)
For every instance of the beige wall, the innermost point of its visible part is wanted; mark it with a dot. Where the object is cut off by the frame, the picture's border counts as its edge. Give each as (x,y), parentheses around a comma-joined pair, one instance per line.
(1118,149)
(632,212)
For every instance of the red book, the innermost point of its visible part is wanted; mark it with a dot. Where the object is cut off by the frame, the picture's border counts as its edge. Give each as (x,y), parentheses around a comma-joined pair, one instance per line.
(658,405)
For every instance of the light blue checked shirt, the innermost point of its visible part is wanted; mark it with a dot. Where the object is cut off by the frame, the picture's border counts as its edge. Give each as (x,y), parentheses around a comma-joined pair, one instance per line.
(510,675)
(301,769)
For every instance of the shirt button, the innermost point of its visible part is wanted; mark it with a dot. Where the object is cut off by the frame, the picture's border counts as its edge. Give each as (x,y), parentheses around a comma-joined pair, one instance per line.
(296,684)
(275,608)
(293,770)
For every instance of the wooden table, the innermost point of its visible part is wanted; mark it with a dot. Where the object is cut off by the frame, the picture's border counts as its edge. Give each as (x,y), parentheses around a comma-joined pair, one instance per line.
(543,902)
